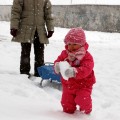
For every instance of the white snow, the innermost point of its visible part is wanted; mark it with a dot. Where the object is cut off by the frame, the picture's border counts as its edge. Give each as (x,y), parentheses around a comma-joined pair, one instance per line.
(23,99)
(89,2)
(69,2)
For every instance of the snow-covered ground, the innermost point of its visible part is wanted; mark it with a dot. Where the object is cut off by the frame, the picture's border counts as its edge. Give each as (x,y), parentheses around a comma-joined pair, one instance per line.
(23,99)
(69,2)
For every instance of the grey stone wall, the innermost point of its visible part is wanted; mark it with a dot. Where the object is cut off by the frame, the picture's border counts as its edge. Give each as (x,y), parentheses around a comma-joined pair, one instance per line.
(5,12)
(90,17)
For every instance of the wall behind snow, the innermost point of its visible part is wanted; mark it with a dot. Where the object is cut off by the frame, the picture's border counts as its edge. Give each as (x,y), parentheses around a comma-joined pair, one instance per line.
(90,17)
(5,11)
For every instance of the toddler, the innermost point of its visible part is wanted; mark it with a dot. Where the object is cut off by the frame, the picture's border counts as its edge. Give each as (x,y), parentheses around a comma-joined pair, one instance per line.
(78,88)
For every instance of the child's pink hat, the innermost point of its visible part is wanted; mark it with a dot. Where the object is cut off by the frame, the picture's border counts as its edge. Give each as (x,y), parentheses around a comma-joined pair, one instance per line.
(75,36)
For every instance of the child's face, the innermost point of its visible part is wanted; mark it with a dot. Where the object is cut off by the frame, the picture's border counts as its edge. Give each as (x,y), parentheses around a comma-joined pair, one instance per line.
(73,47)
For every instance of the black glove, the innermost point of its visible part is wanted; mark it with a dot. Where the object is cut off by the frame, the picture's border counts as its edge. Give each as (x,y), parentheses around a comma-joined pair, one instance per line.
(13,32)
(50,33)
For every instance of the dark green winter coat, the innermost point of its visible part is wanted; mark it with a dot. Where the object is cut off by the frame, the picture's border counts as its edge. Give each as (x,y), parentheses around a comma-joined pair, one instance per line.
(29,15)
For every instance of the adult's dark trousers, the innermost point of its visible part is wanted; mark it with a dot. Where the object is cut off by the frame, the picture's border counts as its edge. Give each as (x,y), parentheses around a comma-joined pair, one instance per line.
(25,56)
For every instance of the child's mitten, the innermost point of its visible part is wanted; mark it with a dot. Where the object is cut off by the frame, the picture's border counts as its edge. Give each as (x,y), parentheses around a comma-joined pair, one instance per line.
(57,67)
(70,72)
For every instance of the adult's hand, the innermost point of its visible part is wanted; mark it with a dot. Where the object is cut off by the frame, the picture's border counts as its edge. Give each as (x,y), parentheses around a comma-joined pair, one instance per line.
(50,33)
(13,32)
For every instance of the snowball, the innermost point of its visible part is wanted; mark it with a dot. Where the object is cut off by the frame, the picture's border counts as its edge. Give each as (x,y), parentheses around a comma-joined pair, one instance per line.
(64,65)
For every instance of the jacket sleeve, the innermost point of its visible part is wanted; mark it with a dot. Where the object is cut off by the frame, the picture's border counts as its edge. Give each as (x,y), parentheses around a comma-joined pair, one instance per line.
(48,16)
(86,67)
(61,57)
(16,13)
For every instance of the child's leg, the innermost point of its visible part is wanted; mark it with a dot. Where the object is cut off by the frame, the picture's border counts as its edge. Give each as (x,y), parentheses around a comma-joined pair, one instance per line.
(83,99)
(68,101)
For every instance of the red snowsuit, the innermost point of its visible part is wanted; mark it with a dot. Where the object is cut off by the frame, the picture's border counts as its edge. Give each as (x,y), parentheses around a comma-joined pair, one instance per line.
(77,90)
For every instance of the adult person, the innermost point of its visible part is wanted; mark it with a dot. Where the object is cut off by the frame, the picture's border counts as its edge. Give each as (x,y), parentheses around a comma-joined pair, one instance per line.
(31,22)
